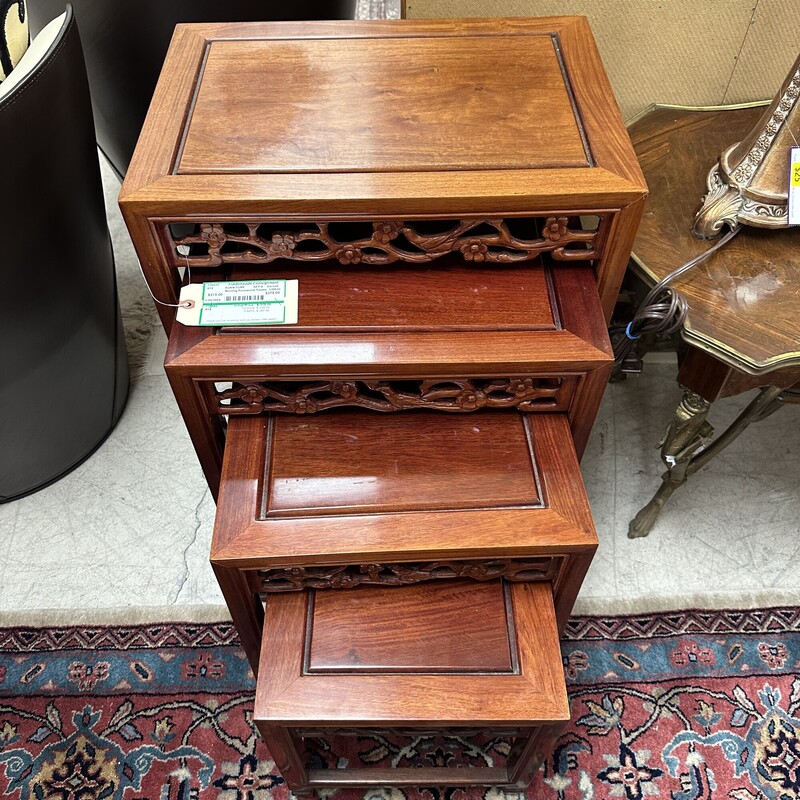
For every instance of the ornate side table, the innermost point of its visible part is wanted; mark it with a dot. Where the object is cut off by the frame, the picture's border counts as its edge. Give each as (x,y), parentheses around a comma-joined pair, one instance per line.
(743,327)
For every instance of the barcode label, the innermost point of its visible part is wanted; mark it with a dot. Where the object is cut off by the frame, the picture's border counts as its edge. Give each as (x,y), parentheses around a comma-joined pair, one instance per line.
(272,302)
(244,292)
(243,314)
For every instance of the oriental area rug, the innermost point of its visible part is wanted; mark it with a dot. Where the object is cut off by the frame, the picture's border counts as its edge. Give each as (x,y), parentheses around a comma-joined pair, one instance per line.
(684,705)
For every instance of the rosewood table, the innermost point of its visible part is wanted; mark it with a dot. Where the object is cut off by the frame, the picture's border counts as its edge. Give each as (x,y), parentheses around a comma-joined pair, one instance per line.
(401,524)
(743,327)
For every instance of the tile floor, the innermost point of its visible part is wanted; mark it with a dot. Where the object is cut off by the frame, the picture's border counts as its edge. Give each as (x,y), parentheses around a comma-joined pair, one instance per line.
(126,535)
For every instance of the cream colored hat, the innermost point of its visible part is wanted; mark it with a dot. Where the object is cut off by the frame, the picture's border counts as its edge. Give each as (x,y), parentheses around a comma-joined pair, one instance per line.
(14,36)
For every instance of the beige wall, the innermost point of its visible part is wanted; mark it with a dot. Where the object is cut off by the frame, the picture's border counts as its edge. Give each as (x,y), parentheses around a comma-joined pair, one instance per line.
(685,52)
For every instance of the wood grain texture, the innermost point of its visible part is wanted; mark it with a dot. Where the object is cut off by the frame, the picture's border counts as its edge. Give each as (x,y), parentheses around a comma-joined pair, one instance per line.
(457,628)
(361,131)
(356,462)
(345,532)
(421,354)
(447,297)
(743,299)
(530,696)
(580,311)
(382,104)
(289,696)
(563,335)
(560,528)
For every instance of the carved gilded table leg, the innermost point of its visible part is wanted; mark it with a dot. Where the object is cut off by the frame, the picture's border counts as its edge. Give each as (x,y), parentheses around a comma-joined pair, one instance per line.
(685,447)
(685,435)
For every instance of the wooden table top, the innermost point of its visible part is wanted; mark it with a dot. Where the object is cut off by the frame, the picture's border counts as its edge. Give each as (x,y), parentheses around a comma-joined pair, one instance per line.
(387,104)
(484,112)
(744,300)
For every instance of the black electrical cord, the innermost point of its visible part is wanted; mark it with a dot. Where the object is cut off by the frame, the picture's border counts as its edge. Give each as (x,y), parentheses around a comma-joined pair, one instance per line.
(664,309)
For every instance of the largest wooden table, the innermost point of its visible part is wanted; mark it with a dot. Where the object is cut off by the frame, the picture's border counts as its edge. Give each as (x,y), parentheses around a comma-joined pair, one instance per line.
(374,144)
(332,121)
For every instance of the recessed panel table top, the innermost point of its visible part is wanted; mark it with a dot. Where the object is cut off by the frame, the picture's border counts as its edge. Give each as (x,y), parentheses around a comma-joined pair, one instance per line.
(369,104)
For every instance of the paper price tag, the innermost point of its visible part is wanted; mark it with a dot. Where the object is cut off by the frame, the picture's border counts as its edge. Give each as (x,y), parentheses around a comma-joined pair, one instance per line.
(243,292)
(271,302)
(794,186)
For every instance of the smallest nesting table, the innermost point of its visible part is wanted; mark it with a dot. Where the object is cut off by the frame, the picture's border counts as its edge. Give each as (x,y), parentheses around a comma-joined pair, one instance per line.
(411,665)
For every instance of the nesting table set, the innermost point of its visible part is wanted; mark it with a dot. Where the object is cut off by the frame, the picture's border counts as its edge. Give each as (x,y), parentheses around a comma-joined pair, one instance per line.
(401,524)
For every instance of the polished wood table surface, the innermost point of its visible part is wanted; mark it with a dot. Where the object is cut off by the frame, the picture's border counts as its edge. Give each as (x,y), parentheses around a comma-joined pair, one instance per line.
(743,325)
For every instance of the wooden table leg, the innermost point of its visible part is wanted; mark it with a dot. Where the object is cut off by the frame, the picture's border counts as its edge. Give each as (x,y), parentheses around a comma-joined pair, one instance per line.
(288,752)
(685,447)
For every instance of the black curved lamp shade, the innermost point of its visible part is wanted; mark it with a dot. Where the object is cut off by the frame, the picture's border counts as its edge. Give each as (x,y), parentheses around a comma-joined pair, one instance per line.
(63,369)
(125,42)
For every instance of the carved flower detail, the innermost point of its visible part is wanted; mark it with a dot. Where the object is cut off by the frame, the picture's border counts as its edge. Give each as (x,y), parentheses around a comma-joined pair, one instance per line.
(303,405)
(386,231)
(470,399)
(474,250)
(282,243)
(349,254)
(344,581)
(555,229)
(253,394)
(214,235)
(522,388)
(771,128)
(346,389)
(373,571)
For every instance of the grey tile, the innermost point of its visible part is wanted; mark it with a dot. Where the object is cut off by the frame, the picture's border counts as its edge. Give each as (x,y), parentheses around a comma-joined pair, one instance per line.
(122,529)
(731,530)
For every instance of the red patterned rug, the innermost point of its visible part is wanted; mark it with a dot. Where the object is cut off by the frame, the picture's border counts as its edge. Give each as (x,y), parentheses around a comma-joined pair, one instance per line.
(688,705)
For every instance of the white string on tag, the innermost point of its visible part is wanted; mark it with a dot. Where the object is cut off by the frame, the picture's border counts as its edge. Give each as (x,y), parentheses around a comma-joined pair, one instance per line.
(184,251)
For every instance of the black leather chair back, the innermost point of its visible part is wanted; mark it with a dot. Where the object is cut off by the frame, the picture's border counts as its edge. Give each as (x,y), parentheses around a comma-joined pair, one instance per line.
(63,370)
